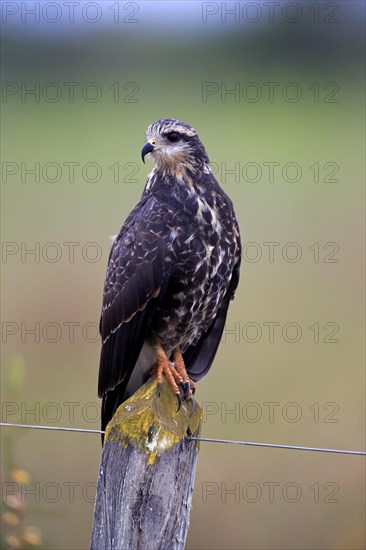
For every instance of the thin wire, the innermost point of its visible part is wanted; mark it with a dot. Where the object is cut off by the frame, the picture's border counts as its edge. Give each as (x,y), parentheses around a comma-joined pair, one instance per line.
(56,428)
(204,439)
(277,446)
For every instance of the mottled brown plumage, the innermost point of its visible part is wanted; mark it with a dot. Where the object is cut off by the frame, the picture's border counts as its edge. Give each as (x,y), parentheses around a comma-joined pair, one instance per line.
(172,270)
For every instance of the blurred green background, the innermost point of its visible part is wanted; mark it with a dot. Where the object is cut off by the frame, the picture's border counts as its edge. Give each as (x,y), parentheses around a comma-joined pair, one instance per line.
(148,60)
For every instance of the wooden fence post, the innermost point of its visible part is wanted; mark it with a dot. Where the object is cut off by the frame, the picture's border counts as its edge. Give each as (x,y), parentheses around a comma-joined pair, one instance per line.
(146,475)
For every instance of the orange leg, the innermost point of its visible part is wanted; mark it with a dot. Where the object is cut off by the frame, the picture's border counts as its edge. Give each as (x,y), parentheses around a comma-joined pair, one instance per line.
(165,367)
(181,368)
(176,375)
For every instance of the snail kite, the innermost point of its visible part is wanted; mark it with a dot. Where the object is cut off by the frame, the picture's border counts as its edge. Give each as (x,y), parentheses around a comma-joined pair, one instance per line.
(172,271)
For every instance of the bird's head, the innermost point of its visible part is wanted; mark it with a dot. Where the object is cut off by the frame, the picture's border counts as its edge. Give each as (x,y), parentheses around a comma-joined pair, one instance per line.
(173,145)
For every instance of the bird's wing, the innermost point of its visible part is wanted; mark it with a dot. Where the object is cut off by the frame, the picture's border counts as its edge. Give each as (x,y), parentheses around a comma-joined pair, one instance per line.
(137,275)
(198,358)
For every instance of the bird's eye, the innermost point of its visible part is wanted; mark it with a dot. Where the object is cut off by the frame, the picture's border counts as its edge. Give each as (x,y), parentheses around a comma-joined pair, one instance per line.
(173,136)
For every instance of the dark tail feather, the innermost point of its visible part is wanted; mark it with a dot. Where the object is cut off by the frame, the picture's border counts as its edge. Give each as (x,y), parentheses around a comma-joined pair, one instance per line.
(198,359)
(110,403)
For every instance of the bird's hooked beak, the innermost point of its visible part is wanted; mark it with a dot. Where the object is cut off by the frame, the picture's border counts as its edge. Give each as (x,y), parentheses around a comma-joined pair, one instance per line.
(147,148)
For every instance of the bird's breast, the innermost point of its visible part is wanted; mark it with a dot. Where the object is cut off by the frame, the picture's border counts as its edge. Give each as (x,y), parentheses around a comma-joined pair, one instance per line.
(202,250)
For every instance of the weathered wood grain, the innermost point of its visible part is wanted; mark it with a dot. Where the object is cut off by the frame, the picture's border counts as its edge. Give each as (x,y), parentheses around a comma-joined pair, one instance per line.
(146,475)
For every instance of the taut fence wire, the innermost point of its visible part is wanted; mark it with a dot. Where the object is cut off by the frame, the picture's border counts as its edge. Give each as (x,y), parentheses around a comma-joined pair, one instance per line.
(203,439)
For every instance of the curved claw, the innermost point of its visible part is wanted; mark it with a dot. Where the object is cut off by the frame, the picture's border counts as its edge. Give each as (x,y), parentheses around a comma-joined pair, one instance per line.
(158,388)
(193,406)
(179,401)
(185,387)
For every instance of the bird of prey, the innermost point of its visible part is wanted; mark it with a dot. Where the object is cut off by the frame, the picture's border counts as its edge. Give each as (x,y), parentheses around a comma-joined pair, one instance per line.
(172,271)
